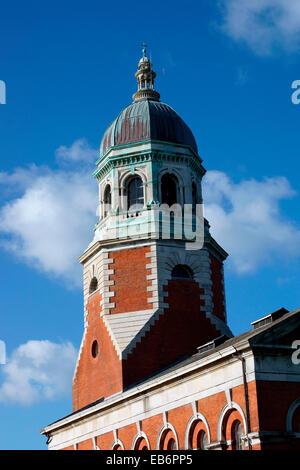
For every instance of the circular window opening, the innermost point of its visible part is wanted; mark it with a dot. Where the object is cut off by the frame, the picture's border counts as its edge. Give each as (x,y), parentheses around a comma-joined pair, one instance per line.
(95,349)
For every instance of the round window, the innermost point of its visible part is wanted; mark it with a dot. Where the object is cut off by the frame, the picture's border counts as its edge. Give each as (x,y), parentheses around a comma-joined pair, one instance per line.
(95,348)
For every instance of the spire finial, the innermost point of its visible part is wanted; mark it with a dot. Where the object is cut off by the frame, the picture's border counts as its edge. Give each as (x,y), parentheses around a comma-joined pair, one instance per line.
(145,77)
(144,46)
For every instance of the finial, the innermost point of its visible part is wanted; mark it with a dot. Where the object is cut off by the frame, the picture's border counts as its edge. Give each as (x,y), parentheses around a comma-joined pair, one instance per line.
(145,77)
(144,46)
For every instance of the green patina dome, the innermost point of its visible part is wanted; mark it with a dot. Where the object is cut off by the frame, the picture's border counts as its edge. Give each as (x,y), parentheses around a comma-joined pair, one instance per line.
(147,119)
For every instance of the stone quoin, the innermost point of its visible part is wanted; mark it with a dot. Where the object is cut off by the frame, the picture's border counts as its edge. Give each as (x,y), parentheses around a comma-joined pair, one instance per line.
(158,366)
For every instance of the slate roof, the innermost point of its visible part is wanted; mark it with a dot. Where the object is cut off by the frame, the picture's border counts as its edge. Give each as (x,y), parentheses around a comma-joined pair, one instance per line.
(256,336)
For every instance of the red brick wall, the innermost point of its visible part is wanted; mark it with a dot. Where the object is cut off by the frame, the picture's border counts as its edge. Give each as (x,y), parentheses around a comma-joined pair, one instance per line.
(101,376)
(151,427)
(105,441)
(210,407)
(85,445)
(130,276)
(176,333)
(217,287)
(275,399)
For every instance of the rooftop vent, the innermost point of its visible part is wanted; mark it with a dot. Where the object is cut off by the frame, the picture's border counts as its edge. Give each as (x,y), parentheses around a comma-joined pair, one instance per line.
(269,318)
(212,344)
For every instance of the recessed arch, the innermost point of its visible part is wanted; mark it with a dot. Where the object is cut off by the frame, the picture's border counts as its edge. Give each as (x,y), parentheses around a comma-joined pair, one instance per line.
(172,171)
(198,417)
(224,413)
(135,193)
(163,434)
(124,177)
(169,189)
(183,272)
(138,440)
(290,414)
(117,445)
(123,181)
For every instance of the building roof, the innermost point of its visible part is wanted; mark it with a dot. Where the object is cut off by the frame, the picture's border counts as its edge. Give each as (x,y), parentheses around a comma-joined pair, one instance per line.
(268,335)
(147,120)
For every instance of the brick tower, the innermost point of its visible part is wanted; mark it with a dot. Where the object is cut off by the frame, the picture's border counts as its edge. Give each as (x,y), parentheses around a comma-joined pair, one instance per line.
(150,297)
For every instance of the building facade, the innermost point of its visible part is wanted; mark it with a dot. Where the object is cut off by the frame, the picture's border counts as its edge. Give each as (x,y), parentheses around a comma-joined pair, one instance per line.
(158,366)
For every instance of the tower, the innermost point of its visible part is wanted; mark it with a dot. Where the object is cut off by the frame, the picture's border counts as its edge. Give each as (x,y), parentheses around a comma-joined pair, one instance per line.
(158,367)
(150,296)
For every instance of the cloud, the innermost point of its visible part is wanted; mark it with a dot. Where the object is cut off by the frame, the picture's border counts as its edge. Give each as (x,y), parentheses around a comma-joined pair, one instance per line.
(263,24)
(246,220)
(50,222)
(38,371)
(80,151)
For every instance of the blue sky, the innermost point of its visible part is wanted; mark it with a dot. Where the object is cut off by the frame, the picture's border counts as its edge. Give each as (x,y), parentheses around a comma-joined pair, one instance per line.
(227,68)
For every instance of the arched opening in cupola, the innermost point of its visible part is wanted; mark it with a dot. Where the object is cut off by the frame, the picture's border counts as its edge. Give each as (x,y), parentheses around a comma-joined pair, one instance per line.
(169,189)
(107,200)
(135,193)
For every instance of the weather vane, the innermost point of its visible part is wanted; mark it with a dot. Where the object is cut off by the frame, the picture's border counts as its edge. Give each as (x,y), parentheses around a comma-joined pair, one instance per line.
(144,45)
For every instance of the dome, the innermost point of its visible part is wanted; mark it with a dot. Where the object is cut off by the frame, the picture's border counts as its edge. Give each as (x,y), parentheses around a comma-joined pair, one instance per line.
(147,119)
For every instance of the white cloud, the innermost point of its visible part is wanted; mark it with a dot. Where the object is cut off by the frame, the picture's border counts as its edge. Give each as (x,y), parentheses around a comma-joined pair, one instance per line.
(263,24)
(246,220)
(80,151)
(38,371)
(51,221)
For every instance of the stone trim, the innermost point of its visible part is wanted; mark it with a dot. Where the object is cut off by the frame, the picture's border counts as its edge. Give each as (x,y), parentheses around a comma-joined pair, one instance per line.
(140,434)
(166,426)
(234,406)
(127,329)
(195,417)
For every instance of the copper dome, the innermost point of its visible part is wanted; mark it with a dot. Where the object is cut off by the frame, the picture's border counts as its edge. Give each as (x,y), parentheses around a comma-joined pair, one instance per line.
(147,119)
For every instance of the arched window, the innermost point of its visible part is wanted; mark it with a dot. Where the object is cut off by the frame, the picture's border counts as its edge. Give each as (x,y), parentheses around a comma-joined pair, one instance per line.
(167,440)
(181,271)
(93,285)
(135,193)
(197,435)
(107,200)
(169,189)
(238,443)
